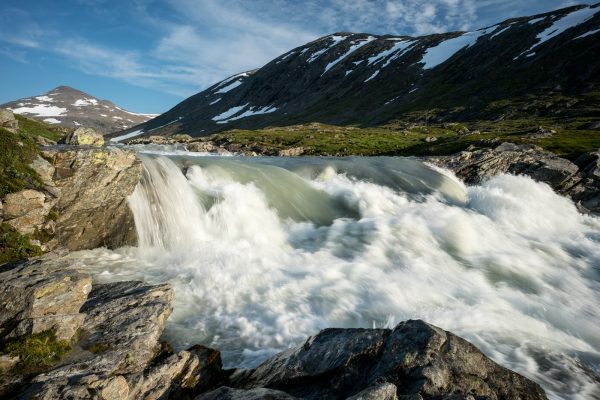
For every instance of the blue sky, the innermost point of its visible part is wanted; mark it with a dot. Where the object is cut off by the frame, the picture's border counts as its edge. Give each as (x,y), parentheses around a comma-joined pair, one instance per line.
(149,55)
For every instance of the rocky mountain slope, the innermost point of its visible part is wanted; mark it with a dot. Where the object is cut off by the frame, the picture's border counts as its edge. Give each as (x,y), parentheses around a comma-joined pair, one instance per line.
(72,108)
(538,65)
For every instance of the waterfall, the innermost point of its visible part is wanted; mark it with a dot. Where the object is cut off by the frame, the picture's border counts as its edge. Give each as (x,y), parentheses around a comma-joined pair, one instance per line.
(266,252)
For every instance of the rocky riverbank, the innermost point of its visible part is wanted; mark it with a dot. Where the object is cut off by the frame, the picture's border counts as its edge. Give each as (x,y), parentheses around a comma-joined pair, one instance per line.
(64,336)
(579,180)
(110,335)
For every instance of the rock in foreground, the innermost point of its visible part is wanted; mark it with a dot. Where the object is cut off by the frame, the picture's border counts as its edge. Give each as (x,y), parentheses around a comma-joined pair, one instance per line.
(116,353)
(85,137)
(421,360)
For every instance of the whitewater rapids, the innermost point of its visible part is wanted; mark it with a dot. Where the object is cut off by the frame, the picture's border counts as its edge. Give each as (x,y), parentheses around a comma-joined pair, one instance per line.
(264,252)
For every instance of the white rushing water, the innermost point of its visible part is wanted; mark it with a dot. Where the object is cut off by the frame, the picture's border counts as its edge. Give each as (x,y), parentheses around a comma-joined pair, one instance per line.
(265,252)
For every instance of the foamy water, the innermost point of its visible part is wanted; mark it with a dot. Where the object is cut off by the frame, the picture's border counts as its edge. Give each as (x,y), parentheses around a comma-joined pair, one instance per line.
(263,253)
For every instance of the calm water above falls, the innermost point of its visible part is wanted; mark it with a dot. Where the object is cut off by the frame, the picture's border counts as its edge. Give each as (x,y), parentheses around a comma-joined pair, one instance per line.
(264,252)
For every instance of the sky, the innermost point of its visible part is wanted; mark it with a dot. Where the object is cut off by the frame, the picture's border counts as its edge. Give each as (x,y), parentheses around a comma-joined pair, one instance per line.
(148,55)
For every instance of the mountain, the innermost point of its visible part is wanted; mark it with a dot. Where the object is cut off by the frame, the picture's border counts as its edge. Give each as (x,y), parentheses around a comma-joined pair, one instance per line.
(546,63)
(70,107)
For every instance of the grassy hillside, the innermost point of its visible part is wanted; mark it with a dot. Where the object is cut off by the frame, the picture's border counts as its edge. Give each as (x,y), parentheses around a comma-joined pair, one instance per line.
(569,138)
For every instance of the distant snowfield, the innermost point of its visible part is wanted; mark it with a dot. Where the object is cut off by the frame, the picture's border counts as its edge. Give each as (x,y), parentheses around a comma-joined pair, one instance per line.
(85,102)
(40,110)
(52,121)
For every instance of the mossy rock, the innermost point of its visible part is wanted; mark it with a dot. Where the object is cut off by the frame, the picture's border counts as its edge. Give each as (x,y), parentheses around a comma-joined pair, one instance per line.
(14,246)
(37,352)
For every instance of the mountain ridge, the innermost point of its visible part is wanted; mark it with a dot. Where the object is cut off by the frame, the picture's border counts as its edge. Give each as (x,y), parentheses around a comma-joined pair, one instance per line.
(70,107)
(516,66)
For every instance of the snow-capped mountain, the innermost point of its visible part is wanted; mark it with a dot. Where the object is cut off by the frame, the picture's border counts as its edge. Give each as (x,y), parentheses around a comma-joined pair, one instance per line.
(70,107)
(363,79)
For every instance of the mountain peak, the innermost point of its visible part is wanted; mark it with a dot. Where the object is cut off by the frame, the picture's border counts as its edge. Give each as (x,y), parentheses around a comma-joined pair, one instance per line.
(67,106)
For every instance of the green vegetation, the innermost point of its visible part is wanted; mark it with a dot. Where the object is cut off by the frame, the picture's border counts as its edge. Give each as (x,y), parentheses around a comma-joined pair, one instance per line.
(571,137)
(14,246)
(33,128)
(37,351)
(17,151)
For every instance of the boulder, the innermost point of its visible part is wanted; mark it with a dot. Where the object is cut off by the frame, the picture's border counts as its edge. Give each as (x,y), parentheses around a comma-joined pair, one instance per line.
(201,147)
(8,120)
(43,294)
(92,208)
(291,152)
(579,180)
(27,210)
(179,375)
(85,137)
(119,338)
(418,358)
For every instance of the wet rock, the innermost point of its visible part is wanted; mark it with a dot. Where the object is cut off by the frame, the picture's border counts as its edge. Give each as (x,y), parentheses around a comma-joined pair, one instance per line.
(227,393)
(92,208)
(418,358)
(201,147)
(43,294)
(84,137)
(8,121)
(578,180)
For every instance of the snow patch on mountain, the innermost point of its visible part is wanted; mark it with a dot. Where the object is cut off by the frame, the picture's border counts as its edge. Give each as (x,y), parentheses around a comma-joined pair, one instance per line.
(250,112)
(229,113)
(560,25)
(588,33)
(40,110)
(501,31)
(372,76)
(44,98)
(438,54)
(52,121)
(535,20)
(357,45)
(398,46)
(335,40)
(85,102)
(127,136)
(229,87)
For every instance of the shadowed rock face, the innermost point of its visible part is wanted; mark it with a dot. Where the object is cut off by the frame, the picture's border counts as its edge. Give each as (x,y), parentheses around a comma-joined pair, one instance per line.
(418,358)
